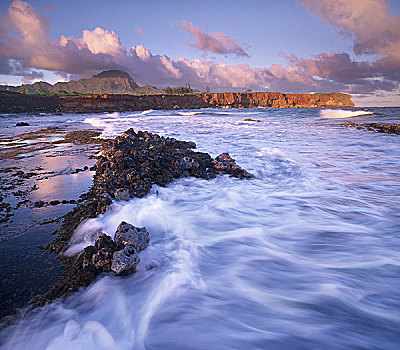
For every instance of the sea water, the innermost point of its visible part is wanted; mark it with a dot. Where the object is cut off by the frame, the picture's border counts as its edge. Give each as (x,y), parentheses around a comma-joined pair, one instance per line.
(305,255)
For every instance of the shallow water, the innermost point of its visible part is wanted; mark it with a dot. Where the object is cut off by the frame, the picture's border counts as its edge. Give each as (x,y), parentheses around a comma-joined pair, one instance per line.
(303,256)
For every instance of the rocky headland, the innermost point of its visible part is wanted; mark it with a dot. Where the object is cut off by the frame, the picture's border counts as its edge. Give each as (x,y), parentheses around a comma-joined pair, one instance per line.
(128,167)
(19,103)
(106,103)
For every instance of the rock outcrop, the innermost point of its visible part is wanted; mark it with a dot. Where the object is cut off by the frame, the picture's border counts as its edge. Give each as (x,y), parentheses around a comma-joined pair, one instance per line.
(129,235)
(119,255)
(109,103)
(19,103)
(128,167)
(382,128)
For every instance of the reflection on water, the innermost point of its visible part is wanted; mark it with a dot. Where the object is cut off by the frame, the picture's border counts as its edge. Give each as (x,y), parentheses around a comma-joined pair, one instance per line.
(62,186)
(303,256)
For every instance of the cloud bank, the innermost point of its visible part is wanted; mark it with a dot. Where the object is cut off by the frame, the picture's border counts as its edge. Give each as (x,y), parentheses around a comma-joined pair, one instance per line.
(99,49)
(216,42)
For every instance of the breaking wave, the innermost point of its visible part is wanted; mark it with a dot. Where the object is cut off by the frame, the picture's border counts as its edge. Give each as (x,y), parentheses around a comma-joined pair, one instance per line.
(302,256)
(341,113)
(189,113)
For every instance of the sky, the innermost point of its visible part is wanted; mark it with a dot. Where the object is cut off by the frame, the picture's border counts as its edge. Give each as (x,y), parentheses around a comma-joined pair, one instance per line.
(304,46)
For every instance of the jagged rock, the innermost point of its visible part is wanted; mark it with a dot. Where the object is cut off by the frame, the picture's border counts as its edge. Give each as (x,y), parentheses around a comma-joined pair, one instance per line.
(105,103)
(129,235)
(381,128)
(188,162)
(225,164)
(104,250)
(82,269)
(22,124)
(125,260)
(128,167)
(252,120)
(122,194)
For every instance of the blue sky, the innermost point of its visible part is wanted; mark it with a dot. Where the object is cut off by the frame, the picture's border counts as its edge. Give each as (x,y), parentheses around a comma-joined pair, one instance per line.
(266,31)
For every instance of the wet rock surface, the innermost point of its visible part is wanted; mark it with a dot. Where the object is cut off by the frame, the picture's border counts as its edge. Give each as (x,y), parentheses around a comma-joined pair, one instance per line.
(125,260)
(252,120)
(83,136)
(128,167)
(119,255)
(381,128)
(225,164)
(129,235)
(36,191)
(97,103)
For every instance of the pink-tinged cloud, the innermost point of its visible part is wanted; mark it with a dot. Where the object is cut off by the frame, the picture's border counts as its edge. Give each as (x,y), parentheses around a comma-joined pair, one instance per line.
(139,30)
(215,42)
(47,6)
(374,30)
(101,49)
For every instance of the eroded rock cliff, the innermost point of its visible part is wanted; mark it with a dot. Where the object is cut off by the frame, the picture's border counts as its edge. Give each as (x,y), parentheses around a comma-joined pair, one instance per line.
(108,103)
(18,103)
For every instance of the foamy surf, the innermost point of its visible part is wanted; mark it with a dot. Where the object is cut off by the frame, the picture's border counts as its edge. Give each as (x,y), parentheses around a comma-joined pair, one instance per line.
(226,255)
(341,113)
(147,111)
(188,113)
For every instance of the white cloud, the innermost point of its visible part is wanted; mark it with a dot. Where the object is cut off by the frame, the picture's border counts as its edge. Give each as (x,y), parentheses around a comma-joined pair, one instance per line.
(102,49)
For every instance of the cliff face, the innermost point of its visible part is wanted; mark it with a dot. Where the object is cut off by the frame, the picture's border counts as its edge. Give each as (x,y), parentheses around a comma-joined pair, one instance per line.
(109,103)
(17,103)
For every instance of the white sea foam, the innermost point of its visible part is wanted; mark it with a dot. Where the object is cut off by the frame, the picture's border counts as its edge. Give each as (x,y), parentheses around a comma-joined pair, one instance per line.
(262,263)
(147,111)
(341,113)
(189,113)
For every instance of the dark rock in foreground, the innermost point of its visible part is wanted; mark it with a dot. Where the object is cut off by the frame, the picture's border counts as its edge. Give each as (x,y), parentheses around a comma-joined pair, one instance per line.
(225,164)
(129,235)
(131,163)
(125,260)
(119,256)
(128,167)
(382,128)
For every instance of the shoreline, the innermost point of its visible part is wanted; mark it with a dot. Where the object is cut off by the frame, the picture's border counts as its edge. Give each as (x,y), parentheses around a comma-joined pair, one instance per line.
(48,206)
(18,103)
(43,175)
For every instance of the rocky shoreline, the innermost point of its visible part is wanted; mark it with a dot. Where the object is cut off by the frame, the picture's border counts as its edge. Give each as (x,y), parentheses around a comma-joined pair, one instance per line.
(381,128)
(128,167)
(43,171)
(11,102)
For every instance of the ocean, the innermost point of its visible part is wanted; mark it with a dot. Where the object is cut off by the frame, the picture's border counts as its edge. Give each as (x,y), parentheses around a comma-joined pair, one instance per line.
(305,255)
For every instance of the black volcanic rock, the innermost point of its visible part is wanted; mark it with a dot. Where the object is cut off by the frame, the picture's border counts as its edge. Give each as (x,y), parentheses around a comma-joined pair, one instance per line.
(128,167)
(131,164)
(381,128)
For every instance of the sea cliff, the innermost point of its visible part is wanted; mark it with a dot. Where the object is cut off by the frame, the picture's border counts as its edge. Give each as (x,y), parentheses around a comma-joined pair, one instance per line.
(17,103)
(108,103)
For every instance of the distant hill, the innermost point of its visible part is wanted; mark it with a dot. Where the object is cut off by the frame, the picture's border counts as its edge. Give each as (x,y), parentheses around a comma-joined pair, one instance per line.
(107,82)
